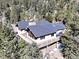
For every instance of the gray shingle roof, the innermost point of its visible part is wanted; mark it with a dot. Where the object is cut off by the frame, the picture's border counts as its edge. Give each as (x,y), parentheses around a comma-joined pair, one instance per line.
(23,24)
(44,28)
(58,25)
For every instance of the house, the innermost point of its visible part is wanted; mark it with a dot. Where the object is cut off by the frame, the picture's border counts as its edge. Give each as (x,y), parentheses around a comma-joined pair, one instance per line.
(42,32)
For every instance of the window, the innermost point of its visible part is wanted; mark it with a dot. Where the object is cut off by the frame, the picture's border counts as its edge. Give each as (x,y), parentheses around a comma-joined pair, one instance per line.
(52,34)
(43,37)
(16,25)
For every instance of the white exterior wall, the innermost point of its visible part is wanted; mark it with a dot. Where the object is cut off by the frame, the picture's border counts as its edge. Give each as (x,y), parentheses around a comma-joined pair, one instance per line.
(48,37)
(46,41)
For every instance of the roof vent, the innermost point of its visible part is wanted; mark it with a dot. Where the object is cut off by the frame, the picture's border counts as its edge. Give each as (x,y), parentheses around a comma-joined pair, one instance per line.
(32,23)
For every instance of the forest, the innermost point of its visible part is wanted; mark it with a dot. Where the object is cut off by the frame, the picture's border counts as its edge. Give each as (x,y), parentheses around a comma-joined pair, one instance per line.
(13,11)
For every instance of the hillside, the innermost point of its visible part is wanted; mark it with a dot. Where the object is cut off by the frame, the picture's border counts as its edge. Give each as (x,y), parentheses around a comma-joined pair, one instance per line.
(12,11)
